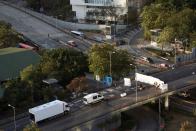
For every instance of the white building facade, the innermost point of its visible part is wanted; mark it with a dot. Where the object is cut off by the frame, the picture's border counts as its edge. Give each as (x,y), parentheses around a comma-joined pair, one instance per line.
(97,9)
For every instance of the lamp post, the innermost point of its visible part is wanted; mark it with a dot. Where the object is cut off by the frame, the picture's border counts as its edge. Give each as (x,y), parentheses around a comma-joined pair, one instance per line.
(135,82)
(110,55)
(14,115)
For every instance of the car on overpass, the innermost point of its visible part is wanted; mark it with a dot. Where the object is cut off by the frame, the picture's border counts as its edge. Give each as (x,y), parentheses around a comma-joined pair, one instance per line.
(92,98)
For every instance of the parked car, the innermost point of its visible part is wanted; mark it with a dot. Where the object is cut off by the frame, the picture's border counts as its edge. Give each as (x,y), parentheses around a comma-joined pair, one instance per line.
(72,43)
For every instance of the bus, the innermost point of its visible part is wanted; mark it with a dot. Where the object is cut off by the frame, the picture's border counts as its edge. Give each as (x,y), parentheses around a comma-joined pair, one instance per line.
(81,34)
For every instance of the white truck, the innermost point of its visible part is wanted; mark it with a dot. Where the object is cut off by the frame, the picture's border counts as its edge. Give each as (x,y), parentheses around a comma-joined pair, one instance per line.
(48,110)
(92,98)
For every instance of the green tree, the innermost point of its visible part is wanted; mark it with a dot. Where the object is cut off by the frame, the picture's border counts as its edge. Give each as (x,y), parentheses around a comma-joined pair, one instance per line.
(183,23)
(16,93)
(99,61)
(63,64)
(58,8)
(8,37)
(166,36)
(33,76)
(132,15)
(31,127)
(154,16)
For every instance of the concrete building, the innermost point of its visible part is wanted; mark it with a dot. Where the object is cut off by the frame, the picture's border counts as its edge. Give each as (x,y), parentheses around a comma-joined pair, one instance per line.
(101,11)
(98,10)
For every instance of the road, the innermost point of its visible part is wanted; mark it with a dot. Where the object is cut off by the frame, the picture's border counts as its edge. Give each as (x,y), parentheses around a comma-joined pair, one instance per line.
(133,39)
(177,73)
(38,31)
(80,112)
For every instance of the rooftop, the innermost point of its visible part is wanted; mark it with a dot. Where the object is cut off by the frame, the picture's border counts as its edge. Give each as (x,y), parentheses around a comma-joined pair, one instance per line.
(13,60)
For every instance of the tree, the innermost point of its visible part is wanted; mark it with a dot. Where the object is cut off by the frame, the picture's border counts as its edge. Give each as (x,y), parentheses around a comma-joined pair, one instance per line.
(166,36)
(154,16)
(183,23)
(58,8)
(16,93)
(33,76)
(8,37)
(78,84)
(63,64)
(132,15)
(99,61)
(31,127)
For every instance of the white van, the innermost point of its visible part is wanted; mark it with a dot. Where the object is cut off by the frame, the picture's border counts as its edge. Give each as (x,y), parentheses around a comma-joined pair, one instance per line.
(92,98)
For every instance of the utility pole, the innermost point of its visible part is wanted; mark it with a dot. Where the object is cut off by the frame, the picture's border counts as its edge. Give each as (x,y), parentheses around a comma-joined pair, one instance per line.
(14,115)
(110,55)
(135,82)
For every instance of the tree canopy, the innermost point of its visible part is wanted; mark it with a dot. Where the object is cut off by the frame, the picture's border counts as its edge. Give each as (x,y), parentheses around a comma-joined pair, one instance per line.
(59,8)
(175,17)
(99,61)
(62,64)
(8,37)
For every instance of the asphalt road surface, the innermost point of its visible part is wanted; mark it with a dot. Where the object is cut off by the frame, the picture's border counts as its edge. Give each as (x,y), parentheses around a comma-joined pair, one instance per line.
(38,31)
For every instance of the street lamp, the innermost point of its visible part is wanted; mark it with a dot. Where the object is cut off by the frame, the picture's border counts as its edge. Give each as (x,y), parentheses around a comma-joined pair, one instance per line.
(110,54)
(14,115)
(135,82)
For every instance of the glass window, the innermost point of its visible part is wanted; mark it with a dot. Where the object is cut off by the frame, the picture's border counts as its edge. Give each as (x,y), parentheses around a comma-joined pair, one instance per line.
(94,97)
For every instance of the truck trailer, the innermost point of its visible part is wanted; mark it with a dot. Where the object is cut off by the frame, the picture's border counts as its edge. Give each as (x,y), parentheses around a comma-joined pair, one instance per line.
(48,110)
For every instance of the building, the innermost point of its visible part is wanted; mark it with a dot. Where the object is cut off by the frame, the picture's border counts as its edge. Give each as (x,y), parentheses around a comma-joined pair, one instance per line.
(14,60)
(103,11)
(98,10)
